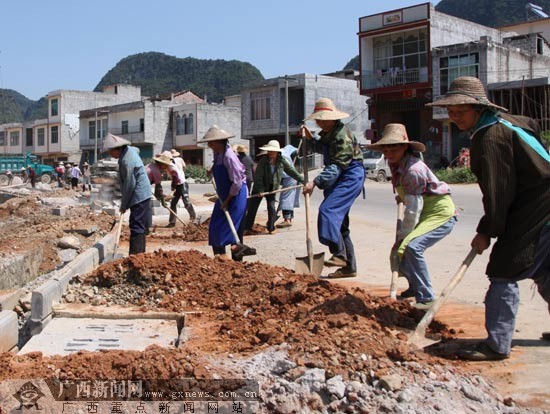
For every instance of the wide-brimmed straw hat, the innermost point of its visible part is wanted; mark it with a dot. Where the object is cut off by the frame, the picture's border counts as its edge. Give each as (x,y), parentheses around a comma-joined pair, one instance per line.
(394,134)
(272,145)
(325,110)
(215,133)
(174,152)
(113,141)
(240,148)
(466,90)
(85,164)
(163,159)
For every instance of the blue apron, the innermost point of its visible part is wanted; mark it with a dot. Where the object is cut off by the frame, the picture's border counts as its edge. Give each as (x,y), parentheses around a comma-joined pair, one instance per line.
(338,201)
(219,232)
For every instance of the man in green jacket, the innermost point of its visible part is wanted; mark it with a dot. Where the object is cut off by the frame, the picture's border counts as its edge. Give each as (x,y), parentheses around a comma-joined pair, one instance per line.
(513,172)
(267,178)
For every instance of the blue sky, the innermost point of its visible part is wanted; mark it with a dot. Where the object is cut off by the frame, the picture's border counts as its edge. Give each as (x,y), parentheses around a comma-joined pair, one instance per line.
(71,44)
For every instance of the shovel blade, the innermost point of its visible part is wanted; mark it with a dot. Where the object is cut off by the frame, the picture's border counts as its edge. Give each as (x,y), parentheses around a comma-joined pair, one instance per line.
(315,268)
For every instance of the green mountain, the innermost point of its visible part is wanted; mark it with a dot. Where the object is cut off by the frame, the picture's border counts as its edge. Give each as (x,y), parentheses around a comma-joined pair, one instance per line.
(158,73)
(492,13)
(15,107)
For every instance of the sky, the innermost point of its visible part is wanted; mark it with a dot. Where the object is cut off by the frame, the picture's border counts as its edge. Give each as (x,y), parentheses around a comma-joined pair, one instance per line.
(72,44)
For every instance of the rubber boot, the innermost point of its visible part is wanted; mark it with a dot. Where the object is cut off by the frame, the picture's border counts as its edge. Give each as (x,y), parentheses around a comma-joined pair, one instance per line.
(137,244)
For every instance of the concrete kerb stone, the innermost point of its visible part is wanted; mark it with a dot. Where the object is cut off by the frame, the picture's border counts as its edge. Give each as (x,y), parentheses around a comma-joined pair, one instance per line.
(9,330)
(42,299)
(10,298)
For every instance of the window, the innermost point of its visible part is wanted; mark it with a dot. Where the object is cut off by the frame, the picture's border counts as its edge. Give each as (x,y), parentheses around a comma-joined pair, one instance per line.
(1,137)
(180,124)
(102,128)
(91,130)
(124,127)
(54,134)
(452,67)
(141,125)
(28,140)
(54,109)
(40,137)
(400,52)
(260,106)
(189,124)
(14,138)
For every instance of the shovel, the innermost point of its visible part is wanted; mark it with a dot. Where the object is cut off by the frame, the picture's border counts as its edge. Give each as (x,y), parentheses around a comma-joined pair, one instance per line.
(394,258)
(417,338)
(117,238)
(312,263)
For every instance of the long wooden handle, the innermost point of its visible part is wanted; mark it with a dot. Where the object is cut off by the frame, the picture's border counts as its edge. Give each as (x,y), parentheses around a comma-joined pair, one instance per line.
(118,232)
(177,218)
(292,187)
(305,169)
(395,264)
(428,317)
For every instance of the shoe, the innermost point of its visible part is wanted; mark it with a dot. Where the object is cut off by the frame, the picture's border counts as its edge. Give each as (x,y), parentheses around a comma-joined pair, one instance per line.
(170,225)
(341,273)
(274,231)
(545,336)
(481,352)
(424,305)
(335,261)
(249,251)
(408,293)
(284,224)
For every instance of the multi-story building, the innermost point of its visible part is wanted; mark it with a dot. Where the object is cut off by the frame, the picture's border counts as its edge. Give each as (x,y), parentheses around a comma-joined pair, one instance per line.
(265,107)
(410,56)
(56,138)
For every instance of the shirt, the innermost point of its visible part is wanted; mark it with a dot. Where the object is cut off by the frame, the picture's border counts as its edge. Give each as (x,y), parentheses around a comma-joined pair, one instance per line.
(75,172)
(235,169)
(154,173)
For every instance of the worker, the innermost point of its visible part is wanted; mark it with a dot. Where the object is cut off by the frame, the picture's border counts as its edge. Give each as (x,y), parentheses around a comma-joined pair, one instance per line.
(288,200)
(430,213)
(513,172)
(68,175)
(9,174)
(230,180)
(180,187)
(32,176)
(86,177)
(248,163)
(341,181)
(134,186)
(24,175)
(60,170)
(267,178)
(75,176)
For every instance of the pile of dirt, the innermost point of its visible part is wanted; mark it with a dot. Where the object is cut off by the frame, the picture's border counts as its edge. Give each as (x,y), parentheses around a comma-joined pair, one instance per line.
(188,232)
(27,223)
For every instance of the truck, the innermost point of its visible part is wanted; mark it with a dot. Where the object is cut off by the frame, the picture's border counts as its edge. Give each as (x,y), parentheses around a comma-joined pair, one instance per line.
(376,166)
(15,163)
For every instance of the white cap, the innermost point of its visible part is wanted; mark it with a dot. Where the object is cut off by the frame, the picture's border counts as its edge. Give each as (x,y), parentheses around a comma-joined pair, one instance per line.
(112,141)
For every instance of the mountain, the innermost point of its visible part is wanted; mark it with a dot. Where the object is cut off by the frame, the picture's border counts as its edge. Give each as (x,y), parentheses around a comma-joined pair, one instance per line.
(158,73)
(492,13)
(15,107)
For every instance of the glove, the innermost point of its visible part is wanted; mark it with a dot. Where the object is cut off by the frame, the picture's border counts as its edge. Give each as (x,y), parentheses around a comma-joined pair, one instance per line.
(163,203)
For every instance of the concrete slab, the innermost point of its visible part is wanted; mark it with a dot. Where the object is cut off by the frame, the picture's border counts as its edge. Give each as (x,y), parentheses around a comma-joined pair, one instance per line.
(9,330)
(60,211)
(63,336)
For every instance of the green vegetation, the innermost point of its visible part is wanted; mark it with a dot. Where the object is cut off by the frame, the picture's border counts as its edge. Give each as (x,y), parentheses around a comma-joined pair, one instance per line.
(458,175)
(15,107)
(546,139)
(198,173)
(158,73)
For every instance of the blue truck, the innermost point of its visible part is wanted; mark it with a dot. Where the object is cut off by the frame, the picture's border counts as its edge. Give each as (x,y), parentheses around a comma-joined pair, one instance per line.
(15,163)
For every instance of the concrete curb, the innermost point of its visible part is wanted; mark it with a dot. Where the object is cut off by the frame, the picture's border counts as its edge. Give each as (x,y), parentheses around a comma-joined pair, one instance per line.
(43,297)
(9,334)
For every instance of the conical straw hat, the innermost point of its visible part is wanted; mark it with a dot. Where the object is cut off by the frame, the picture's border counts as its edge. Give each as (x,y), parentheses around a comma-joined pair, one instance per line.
(215,133)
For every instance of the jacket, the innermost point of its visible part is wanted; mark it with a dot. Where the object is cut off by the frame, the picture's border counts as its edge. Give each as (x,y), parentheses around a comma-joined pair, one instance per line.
(265,180)
(515,182)
(134,183)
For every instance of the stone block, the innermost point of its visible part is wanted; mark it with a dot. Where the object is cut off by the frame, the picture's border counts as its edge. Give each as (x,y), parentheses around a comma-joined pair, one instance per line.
(59,211)
(9,330)
(10,298)
(43,298)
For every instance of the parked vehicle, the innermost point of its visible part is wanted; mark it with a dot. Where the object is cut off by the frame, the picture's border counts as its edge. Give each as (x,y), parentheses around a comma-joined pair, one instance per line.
(15,162)
(376,166)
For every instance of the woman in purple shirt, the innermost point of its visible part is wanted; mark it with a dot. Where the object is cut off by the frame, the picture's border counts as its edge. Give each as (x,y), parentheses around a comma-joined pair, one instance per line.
(229,176)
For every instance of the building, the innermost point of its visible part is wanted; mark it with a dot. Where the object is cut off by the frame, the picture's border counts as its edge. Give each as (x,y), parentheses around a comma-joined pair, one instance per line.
(265,106)
(410,56)
(56,138)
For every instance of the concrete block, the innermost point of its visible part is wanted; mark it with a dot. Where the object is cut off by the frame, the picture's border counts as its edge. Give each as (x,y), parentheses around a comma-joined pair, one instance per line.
(9,330)
(160,211)
(59,211)
(43,298)
(105,248)
(10,298)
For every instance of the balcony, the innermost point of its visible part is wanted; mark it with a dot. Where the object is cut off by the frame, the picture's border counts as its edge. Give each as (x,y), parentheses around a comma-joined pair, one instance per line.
(388,78)
(133,134)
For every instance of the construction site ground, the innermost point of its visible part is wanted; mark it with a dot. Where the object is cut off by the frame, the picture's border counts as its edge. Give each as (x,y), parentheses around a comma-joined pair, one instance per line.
(349,329)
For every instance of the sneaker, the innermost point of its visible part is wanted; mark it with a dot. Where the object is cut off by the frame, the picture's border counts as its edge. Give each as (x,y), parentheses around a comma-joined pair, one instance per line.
(408,293)
(335,261)
(424,305)
(342,273)
(481,352)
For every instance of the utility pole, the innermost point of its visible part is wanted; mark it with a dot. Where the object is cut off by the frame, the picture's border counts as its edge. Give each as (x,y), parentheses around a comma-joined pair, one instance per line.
(95,148)
(287,133)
